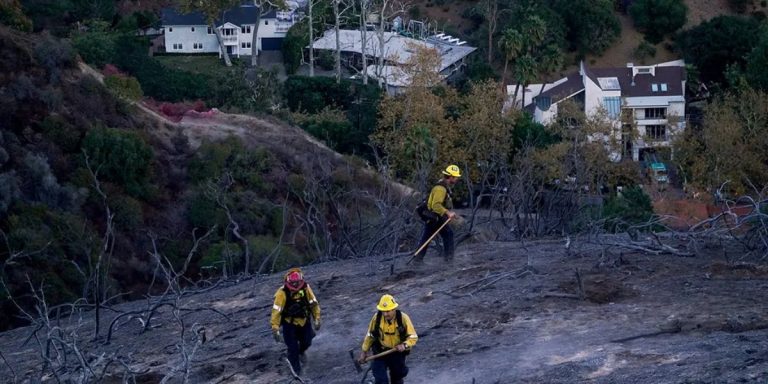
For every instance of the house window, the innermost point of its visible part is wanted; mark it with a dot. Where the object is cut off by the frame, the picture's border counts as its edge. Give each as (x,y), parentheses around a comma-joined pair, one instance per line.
(245,29)
(197,46)
(266,22)
(210,31)
(656,132)
(193,29)
(654,87)
(245,45)
(170,29)
(613,106)
(655,113)
(178,46)
(663,87)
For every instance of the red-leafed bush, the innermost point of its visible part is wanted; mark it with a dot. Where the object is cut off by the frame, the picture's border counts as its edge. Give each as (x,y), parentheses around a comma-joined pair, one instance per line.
(111,70)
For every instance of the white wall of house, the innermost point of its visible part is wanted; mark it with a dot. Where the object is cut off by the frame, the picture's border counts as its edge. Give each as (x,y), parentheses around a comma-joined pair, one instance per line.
(593,97)
(189,39)
(197,39)
(545,117)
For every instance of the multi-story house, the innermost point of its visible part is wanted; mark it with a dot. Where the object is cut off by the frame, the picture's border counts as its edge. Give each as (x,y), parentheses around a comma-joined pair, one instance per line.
(189,32)
(644,103)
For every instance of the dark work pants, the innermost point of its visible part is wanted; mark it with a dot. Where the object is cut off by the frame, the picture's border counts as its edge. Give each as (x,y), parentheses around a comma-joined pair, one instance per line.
(395,362)
(297,339)
(446,233)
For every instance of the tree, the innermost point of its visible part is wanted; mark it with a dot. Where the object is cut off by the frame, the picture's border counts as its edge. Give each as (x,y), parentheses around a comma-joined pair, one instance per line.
(714,44)
(12,15)
(658,18)
(532,49)
(730,145)
(213,10)
(387,10)
(592,25)
(415,130)
(757,62)
(631,207)
(265,6)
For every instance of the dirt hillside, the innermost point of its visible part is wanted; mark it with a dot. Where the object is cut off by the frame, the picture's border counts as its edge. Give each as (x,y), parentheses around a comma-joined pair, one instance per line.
(500,313)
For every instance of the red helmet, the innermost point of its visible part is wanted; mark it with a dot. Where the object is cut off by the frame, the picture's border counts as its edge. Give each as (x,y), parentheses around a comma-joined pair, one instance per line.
(294,280)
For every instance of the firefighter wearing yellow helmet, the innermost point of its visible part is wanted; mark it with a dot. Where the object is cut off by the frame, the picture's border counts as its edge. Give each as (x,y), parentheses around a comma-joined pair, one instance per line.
(438,211)
(294,305)
(389,329)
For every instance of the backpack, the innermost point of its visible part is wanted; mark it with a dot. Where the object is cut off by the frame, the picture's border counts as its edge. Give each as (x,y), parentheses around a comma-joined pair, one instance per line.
(422,210)
(425,214)
(376,332)
(296,308)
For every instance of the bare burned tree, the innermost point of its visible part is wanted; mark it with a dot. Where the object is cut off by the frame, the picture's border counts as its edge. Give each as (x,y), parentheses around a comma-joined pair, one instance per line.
(217,191)
(99,268)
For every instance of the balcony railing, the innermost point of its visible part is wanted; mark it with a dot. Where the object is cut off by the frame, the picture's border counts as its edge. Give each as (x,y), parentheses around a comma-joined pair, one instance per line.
(229,40)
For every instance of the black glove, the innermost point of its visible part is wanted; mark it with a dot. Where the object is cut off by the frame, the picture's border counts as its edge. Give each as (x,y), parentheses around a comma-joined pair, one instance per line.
(278,337)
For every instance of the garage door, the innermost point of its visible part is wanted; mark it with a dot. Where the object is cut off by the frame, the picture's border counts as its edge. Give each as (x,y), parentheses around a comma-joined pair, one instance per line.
(271,43)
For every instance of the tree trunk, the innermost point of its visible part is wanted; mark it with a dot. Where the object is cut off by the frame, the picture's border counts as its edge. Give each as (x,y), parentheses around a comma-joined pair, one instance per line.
(255,39)
(338,41)
(493,8)
(223,49)
(380,65)
(364,39)
(311,41)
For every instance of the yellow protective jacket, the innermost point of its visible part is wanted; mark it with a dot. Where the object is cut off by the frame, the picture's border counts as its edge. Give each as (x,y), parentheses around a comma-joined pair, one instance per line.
(439,200)
(279,305)
(389,337)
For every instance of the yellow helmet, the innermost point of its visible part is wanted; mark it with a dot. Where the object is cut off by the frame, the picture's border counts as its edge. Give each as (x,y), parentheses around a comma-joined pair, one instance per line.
(452,170)
(387,303)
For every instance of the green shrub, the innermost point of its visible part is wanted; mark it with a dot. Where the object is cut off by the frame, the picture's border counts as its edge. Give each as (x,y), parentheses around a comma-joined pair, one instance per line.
(121,157)
(285,256)
(127,211)
(658,18)
(631,207)
(58,130)
(96,48)
(124,86)
(246,166)
(202,212)
(644,50)
(222,255)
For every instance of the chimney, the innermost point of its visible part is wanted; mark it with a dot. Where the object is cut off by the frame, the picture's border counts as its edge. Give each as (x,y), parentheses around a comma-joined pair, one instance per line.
(630,65)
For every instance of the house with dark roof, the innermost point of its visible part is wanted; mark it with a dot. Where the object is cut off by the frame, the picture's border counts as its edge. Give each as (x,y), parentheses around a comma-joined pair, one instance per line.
(645,103)
(190,33)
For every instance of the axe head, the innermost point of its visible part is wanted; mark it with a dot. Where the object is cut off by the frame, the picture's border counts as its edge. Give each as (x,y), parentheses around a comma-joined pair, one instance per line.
(358,368)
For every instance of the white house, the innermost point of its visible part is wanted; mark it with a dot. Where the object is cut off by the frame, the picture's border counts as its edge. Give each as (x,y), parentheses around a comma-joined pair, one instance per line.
(652,95)
(189,32)
(397,51)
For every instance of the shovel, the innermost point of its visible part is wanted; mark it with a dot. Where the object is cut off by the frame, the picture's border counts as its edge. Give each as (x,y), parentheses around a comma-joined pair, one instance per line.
(428,241)
(369,358)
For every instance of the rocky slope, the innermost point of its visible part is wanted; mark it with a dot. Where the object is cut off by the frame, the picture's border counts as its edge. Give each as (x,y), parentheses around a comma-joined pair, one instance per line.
(500,313)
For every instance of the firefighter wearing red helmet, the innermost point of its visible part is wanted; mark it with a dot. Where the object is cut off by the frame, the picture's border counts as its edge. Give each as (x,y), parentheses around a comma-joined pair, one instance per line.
(294,306)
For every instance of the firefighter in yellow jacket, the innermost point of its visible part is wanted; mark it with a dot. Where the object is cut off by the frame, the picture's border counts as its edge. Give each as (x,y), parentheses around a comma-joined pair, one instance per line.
(294,304)
(389,329)
(440,205)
